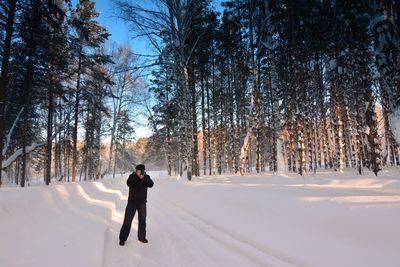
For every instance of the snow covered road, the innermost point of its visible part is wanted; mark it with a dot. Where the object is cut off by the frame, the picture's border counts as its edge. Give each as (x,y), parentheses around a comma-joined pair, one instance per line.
(178,237)
(211,221)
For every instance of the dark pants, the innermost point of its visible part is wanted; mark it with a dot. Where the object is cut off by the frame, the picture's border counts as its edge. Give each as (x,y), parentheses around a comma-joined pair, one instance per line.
(129,214)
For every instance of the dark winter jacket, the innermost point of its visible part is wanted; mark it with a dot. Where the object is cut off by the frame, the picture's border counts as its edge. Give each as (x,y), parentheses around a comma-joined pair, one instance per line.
(138,188)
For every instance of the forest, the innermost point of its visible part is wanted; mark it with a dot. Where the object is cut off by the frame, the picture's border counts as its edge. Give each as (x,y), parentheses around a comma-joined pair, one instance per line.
(252,87)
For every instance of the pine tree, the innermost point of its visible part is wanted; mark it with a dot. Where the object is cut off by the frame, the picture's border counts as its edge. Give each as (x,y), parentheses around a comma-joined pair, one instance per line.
(57,67)
(88,36)
(28,72)
(94,92)
(123,156)
(8,9)
(386,31)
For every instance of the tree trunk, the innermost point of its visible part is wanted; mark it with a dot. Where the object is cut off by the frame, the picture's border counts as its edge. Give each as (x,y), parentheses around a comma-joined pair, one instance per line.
(49,132)
(372,136)
(192,88)
(76,113)
(4,75)
(203,123)
(210,158)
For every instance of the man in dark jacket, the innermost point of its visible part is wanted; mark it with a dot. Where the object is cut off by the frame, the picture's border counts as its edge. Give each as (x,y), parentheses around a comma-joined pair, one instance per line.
(138,183)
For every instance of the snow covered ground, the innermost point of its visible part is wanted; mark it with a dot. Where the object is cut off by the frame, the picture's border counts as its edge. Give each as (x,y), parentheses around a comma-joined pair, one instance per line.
(322,220)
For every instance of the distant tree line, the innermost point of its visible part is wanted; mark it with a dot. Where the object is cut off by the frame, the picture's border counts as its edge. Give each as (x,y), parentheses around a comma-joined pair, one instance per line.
(273,85)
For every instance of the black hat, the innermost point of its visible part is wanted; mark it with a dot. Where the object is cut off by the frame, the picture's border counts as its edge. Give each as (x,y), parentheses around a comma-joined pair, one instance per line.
(140,167)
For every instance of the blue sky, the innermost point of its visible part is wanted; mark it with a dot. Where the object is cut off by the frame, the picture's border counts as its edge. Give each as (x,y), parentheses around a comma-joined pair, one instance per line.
(120,34)
(119,31)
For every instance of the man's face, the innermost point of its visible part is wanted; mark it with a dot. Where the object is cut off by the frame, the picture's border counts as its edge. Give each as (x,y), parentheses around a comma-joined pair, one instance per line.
(139,173)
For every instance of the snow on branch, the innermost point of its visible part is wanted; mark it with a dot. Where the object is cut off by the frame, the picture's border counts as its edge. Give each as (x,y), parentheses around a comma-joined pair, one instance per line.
(8,137)
(28,149)
(18,153)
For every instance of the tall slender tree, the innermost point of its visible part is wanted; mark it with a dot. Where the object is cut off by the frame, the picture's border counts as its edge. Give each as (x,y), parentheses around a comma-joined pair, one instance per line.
(89,34)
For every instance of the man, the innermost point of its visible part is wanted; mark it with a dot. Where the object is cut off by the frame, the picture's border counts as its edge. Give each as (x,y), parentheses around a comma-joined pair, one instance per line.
(138,183)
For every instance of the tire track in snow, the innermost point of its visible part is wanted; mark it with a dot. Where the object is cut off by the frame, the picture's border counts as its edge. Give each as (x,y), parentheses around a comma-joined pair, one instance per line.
(237,244)
(194,247)
(177,237)
(110,238)
(167,246)
(156,253)
(173,242)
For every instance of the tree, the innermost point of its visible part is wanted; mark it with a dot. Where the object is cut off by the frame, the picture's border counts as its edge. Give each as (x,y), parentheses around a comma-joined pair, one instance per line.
(386,32)
(57,67)
(94,93)
(8,9)
(171,24)
(125,75)
(88,36)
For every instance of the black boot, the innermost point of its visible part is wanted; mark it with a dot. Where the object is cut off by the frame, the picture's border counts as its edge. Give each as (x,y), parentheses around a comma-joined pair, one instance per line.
(121,243)
(143,240)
